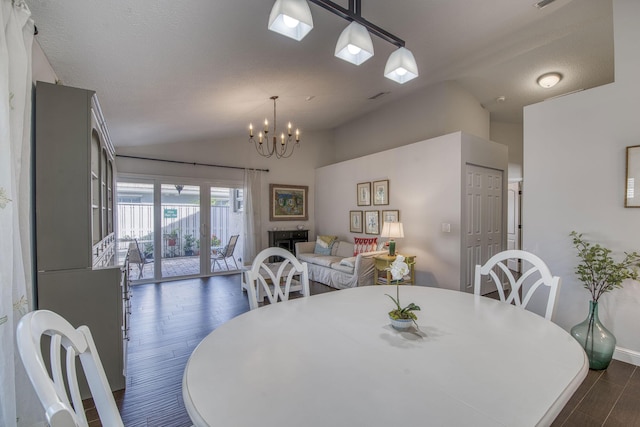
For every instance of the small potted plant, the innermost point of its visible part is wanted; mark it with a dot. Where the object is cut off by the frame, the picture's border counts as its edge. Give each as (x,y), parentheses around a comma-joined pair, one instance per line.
(189,241)
(401,318)
(171,237)
(599,274)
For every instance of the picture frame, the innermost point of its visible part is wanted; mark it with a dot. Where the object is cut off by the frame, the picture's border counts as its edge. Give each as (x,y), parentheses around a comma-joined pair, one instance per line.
(363,194)
(288,202)
(381,192)
(372,222)
(390,216)
(632,189)
(355,222)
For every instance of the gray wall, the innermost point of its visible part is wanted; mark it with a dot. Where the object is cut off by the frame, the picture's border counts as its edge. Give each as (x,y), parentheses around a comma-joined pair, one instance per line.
(574,160)
(425,185)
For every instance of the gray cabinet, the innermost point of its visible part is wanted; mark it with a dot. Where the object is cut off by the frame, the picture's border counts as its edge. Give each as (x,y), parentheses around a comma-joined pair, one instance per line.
(77,275)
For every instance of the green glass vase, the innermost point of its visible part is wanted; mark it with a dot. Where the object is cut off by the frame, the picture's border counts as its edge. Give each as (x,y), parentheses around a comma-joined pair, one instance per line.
(596,340)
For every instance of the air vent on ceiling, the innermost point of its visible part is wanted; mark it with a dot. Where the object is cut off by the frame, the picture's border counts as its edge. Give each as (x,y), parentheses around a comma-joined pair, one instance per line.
(543,3)
(378,95)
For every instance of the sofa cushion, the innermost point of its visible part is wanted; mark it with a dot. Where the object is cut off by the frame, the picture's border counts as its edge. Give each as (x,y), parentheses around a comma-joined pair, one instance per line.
(341,267)
(364,244)
(349,262)
(344,250)
(323,260)
(322,248)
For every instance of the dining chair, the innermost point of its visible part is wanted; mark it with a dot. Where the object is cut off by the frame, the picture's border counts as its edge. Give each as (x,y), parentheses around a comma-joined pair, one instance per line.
(224,253)
(135,256)
(537,275)
(77,343)
(289,274)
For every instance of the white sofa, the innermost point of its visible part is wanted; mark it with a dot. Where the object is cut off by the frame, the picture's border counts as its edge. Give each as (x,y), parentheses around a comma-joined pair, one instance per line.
(341,269)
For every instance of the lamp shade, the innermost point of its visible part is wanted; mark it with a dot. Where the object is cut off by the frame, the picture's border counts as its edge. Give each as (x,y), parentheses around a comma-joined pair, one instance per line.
(354,44)
(392,230)
(291,18)
(401,66)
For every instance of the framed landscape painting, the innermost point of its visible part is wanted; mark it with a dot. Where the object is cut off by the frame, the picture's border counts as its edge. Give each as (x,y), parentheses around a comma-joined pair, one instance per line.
(372,222)
(363,190)
(288,202)
(355,221)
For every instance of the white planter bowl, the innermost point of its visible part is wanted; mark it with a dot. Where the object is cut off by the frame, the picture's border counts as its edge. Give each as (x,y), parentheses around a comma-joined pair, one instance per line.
(401,324)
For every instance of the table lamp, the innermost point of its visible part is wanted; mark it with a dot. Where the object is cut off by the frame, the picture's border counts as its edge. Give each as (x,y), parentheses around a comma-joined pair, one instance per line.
(392,230)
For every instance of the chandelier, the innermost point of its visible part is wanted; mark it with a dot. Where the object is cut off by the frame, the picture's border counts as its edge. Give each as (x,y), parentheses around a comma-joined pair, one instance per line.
(266,148)
(292,18)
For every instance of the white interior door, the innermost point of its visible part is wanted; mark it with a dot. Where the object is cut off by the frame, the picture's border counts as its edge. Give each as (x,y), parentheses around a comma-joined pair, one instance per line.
(483,212)
(513,222)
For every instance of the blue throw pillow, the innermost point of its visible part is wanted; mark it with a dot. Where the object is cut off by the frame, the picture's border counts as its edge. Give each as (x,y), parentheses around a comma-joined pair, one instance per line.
(322,248)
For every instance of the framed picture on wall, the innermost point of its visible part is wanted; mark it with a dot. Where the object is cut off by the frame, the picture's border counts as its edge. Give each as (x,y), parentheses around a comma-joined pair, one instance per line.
(632,192)
(372,222)
(355,221)
(363,191)
(381,192)
(288,202)
(390,216)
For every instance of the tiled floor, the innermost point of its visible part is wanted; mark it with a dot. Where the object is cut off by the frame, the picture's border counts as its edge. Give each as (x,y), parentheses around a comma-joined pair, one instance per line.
(169,319)
(605,398)
(177,267)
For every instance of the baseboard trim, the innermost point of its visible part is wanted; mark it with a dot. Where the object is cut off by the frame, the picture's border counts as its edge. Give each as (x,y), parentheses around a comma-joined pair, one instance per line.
(626,355)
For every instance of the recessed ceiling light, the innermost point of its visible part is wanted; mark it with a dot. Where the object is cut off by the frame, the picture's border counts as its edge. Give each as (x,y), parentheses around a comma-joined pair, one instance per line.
(549,80)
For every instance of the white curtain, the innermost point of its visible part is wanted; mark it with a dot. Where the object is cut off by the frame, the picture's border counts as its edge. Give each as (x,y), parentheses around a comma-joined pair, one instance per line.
(18,405)
(252,213)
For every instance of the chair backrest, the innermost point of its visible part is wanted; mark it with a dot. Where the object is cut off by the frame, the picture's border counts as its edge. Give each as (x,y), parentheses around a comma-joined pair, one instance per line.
(51,389)
(288,273)
(537,275)
(134,253)
(231,246)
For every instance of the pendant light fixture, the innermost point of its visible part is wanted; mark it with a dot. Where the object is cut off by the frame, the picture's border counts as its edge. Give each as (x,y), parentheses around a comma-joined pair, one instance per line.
(401,66)
(354,44)
(292,18)
(282,148)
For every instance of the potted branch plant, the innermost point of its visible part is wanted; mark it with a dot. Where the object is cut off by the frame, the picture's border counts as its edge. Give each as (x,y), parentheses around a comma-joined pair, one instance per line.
(401,318)
(599,274)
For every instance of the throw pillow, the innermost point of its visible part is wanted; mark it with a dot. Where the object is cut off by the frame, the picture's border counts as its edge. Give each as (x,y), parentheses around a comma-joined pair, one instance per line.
(326,241)
(349,262)
(321,247)
(364,244)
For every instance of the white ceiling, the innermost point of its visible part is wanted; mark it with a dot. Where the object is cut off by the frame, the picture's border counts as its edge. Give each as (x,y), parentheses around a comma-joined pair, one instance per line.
(169,71)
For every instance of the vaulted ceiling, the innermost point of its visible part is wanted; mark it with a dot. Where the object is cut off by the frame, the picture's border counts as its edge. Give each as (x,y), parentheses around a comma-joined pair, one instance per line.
(169,71)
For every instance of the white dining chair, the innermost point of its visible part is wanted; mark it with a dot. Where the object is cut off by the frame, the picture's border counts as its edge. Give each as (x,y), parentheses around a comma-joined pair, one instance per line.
(537,275)
(74,343)
(289,275)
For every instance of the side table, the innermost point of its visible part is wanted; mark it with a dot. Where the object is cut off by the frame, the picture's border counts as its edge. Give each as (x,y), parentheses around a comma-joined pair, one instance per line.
(383,277)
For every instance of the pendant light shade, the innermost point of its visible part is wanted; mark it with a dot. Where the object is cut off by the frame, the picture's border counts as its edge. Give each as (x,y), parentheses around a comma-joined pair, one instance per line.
(401,66)
(291,18)
(354,44)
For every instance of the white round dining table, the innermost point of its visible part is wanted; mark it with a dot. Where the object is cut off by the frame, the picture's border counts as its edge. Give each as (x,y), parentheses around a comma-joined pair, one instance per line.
(333,360)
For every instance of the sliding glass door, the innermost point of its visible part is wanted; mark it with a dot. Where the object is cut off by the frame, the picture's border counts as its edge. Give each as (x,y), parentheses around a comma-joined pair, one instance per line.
(176,228)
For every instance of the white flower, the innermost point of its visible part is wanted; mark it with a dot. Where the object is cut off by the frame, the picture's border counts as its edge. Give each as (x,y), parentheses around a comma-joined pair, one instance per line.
(398,268)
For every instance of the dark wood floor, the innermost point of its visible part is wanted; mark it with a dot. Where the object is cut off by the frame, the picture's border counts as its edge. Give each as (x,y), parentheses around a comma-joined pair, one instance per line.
(169,319)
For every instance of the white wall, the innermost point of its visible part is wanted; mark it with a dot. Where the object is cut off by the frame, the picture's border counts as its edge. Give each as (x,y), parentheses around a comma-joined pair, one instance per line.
(296,170)
(425,185)
(510,134)
(41,69)
(433,111)
(574,160)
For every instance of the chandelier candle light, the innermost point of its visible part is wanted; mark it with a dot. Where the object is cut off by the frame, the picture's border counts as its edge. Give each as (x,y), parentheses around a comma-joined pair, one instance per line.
(280,150)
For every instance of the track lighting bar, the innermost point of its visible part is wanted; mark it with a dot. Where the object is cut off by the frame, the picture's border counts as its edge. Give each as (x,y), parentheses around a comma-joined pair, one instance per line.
(354,14)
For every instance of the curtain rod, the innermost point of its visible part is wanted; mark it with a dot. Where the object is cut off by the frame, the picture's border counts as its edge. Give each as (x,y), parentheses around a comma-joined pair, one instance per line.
(188,163)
